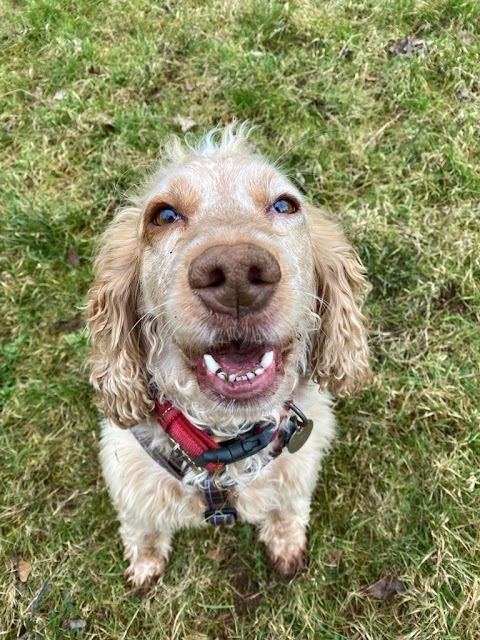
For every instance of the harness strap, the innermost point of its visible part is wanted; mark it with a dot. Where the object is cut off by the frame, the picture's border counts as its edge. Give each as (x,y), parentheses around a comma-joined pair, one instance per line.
(191,440)
(172,465)
(192,446)
(219,500)
(220,509)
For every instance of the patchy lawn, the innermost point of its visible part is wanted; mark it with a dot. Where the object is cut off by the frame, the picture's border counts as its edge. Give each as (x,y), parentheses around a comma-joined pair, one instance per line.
(380,129)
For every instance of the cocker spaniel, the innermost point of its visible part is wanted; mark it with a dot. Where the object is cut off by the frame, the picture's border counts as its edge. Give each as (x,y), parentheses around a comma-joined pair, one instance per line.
(224,309)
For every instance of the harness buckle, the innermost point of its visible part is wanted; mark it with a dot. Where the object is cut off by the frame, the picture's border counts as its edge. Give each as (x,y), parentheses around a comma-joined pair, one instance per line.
(238,448)
(182,456)
(223,516)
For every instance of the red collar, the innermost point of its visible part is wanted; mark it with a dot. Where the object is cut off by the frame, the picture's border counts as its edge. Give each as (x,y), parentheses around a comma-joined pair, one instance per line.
(194,443)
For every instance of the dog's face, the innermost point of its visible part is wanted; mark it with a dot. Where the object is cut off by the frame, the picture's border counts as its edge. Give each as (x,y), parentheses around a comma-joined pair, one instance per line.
(227,270)
(220,290)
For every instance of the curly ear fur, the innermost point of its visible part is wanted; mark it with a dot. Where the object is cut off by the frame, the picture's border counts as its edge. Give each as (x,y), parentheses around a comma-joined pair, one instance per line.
(117,358)
(339,356)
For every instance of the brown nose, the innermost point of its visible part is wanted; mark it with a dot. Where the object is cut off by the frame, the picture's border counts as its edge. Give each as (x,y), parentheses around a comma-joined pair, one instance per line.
(235,279)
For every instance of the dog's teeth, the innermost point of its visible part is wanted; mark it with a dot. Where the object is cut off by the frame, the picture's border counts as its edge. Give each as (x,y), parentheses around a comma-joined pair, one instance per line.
(250,375)
(243,378)
(259,371)
(267,359)
(211,364)
(231,377)
(238,378)
(222,375)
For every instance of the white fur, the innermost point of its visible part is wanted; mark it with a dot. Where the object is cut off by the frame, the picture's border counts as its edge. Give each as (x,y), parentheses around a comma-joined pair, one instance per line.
(152,504)
(145,322)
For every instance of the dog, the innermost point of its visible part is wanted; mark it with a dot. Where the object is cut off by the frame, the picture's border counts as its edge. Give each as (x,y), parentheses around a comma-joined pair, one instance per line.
(224,312)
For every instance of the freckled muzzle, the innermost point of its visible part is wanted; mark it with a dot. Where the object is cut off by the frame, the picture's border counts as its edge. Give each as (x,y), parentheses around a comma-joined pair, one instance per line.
(235,280)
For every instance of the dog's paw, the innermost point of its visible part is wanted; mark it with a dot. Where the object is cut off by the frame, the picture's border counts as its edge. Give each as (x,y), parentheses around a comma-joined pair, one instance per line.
(289,565)
(145,571)
(285,542)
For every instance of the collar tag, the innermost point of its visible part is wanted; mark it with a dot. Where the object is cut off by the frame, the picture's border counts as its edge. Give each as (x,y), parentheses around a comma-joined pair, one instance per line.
(300,436)
(301,428)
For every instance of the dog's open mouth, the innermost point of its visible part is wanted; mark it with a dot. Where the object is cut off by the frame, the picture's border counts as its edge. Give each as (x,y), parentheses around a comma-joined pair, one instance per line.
(240,372)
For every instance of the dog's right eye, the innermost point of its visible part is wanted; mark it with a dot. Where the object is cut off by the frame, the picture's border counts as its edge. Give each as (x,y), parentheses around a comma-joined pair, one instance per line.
(165,215)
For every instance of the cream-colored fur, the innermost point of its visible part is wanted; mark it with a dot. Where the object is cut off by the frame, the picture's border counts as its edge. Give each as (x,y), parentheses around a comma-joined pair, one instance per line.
(145,323)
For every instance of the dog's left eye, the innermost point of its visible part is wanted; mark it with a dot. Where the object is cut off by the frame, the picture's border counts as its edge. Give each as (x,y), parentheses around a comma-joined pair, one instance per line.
(283,206)
(165,215)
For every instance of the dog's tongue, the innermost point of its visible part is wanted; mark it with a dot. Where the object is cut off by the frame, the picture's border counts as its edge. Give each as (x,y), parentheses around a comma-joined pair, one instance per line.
(232,360)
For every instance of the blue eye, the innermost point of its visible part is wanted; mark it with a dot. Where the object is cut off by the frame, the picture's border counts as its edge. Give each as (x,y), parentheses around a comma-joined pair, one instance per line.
(165,215)
(284,206)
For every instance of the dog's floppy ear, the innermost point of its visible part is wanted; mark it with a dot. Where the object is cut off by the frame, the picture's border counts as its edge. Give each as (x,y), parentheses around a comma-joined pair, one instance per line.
(339,355)
(117,358)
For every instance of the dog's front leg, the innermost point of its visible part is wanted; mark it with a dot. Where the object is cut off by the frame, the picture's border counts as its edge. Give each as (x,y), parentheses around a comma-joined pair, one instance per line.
(151,504)
(147,553)
(284,533)
(278,502)
(288,486)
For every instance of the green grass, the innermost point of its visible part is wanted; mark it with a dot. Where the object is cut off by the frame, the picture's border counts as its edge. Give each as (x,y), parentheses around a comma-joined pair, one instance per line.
(389,145)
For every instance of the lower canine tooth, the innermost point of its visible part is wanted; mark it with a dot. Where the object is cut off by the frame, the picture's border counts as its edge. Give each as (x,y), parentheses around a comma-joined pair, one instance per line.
(267,359)
(211,363)
(259,371)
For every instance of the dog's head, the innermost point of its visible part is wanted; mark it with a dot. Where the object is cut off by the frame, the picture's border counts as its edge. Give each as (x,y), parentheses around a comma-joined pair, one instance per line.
(219,289)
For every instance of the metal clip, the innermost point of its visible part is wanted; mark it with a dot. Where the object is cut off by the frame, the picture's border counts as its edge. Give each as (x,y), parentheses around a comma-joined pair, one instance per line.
(179,454)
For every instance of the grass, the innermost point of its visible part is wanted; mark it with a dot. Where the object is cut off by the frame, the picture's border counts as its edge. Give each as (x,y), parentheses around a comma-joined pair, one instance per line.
(390,145)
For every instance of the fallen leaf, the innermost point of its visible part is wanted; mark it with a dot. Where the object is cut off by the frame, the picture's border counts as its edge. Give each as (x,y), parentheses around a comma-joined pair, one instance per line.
(462,93)
(408,45)
(69,325)
(77,45)
(8,126)
(24,568)
(218,555)
(346,52)
(72,257)
(59,95)
(109,127)
(76,625)
(467,38)
(386,588)
(185,123)
(105,122)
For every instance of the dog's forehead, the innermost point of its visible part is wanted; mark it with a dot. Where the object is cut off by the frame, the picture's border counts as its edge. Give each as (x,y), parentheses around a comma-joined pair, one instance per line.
(211,180)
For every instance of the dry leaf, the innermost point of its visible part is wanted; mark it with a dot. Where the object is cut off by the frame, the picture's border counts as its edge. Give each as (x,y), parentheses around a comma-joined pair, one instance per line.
(408,45)
(386,588)
(77,625)
(346,52)
(72,257)
(77,45)
(59,95)
(462,93)
(185,123)
(218,555)
(24,568)
(69,325)
(467,38)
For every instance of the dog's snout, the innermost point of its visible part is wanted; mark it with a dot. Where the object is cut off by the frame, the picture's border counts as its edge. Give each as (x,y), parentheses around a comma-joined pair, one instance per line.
(235,279)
